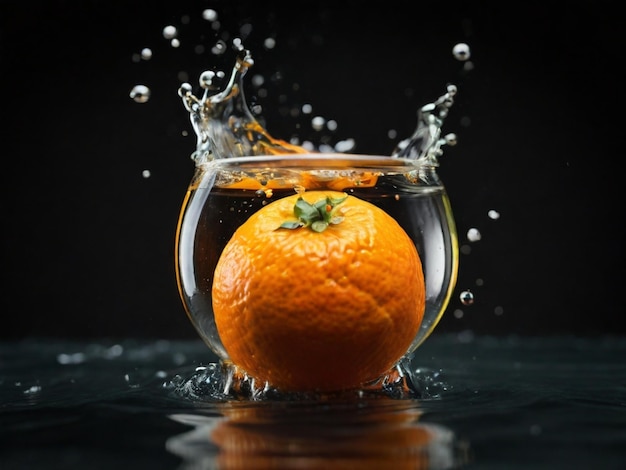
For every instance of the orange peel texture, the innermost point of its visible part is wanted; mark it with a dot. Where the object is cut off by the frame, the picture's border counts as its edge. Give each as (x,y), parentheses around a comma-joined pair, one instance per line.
(325,310)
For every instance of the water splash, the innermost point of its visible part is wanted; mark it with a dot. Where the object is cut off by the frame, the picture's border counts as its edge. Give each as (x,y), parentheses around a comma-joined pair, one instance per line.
(222,121)
(426,142)
(223,381)
(226,128)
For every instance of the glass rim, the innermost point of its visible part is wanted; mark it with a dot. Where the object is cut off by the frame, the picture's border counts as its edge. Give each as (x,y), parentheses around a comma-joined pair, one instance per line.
(327,160)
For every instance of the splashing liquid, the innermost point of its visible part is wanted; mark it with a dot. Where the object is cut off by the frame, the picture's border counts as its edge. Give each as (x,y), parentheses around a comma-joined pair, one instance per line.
(226,128)
(240,167)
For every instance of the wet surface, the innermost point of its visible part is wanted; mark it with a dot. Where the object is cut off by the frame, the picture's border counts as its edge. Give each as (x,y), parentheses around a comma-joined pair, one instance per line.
(514,402)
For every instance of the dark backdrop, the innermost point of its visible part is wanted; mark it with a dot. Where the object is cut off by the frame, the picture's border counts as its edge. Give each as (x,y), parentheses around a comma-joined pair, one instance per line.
(88,241)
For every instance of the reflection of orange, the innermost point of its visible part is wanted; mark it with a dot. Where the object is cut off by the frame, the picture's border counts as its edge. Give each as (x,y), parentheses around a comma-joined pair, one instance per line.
(338,176)
(305,180)
(334,438)
(306,310)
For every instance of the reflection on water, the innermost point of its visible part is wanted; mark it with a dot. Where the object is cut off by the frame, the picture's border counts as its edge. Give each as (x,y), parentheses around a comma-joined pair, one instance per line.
(384,433)
(513,403)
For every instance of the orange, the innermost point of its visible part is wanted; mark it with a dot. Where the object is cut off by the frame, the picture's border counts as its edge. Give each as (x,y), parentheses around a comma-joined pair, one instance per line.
(325,310)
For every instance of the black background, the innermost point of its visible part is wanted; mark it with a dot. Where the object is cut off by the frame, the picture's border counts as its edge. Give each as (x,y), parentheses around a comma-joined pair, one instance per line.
(88,243)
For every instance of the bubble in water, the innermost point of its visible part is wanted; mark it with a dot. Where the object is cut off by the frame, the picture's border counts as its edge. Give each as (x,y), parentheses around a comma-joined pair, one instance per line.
(175,42)
(146,173)
(146,53)
(493,214)
(269,43)
(461,51)
(467,298)
(473,235)
(170,32)
(140,93)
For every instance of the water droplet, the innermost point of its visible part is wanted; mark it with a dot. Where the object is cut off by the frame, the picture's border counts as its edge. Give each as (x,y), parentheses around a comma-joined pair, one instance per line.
(206,79)
(146,53)
(257,80)
(467,298)
(219,48)
(209,14)
(146,174)
(318,123)
(140,93)
(175,42)
(473,235)
(498,310)
(450,139)
(493,214)
(32,390)
(346,145)
(461,51)
(170,32)
(458,313)
(184,90)
(131,381)
(269,43)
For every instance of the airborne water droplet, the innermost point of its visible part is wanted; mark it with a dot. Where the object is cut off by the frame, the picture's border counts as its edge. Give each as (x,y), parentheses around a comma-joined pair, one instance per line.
(473,235)
(461,51)
(140,93)
(209,14)
(467,298)
(170,32)
(493,214)
(318,123)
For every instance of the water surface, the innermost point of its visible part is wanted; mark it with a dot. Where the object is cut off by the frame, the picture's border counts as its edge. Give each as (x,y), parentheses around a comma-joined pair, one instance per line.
(486,403)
